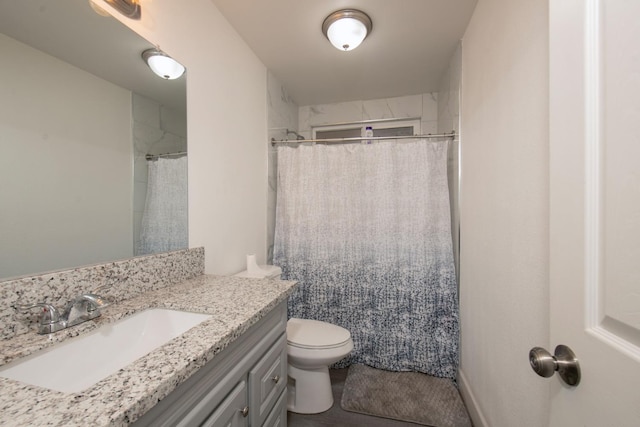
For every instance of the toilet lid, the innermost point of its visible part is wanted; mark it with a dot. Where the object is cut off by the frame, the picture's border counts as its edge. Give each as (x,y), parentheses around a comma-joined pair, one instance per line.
(306,333)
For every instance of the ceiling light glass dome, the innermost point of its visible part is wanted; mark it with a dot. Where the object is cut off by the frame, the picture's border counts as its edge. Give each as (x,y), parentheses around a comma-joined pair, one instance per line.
(347,28)
(162,64)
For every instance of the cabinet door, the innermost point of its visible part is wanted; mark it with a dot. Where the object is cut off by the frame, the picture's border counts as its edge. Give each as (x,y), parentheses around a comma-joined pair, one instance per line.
(267,380)
(233,411)
(278,415)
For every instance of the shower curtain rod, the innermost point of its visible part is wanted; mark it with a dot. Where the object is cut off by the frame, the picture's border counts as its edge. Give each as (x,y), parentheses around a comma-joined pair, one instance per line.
(451,134)
(158,156)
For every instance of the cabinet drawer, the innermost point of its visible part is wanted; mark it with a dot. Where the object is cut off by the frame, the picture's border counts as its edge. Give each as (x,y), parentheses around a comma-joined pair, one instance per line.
(267,380)
(278,415)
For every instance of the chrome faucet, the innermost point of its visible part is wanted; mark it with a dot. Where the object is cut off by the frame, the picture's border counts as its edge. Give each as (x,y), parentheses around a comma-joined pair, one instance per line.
(80,309)
(83,308)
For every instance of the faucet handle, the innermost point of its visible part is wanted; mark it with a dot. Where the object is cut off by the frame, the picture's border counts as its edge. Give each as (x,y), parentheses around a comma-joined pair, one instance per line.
(52,316)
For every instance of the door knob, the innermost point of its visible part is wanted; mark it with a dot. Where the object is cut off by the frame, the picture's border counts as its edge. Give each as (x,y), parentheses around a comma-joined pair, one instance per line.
(563,361)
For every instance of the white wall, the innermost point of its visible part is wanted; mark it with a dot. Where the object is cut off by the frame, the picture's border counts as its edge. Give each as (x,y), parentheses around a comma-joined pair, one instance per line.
(504,212)
(227,128)
(79,170)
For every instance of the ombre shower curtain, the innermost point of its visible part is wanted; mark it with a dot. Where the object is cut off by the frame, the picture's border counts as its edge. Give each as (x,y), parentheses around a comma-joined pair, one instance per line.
(366,231)
(164,221)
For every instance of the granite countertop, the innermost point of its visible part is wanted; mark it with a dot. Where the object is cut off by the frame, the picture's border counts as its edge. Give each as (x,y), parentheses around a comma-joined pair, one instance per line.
(235,303)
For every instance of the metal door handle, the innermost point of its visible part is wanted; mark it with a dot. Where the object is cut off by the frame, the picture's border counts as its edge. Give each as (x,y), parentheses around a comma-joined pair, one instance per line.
(563,361)
(245,411)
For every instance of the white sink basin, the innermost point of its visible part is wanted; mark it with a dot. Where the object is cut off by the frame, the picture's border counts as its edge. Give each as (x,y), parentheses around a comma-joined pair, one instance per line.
(77,364)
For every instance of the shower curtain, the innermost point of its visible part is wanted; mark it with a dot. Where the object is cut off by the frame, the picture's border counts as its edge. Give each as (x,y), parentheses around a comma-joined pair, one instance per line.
(365,230)
(164,221)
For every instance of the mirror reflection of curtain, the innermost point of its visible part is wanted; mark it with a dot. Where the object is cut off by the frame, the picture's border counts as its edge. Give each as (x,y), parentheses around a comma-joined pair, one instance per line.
(365,230)
(164,222)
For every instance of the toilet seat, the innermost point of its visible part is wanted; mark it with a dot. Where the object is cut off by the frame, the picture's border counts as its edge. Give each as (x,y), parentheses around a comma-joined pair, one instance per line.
(315,335)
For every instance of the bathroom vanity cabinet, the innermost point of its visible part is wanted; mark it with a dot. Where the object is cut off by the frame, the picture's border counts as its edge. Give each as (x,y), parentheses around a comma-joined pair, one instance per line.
(244,385)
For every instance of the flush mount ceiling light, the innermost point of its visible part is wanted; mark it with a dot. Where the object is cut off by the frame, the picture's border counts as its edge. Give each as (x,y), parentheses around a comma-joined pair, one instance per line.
(162,64)
(347,28)
(129,8)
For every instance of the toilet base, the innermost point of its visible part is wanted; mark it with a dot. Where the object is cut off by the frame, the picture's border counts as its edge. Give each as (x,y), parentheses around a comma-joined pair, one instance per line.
(309,390)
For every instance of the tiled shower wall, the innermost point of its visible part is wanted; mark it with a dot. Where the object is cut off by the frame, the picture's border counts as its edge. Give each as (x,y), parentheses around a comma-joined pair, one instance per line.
(157,129)
(282,116)
(448,120)
(449,95)
(423,105)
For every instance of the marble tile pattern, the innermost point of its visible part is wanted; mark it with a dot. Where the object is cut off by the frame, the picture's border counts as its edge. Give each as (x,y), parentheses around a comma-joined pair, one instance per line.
(282,112)
(118,281)
(235,303)
(449,119)
(448,105)
(423,106)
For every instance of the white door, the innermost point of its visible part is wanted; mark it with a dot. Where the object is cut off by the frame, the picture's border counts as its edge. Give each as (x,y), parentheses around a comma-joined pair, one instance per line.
(595,208)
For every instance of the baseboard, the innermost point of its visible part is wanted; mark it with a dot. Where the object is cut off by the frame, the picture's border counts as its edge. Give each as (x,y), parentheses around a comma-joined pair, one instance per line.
(470,401)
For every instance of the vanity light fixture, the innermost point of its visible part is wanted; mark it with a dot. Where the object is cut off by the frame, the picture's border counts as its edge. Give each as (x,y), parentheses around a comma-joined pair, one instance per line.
(162,64)
(97,9)
(129,8)
(347,28)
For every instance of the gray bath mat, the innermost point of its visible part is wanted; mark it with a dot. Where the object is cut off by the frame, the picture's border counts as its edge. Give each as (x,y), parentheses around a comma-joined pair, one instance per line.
(405,396)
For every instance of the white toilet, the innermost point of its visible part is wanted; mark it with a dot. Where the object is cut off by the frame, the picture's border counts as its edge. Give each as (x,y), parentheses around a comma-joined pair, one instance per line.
(311,347)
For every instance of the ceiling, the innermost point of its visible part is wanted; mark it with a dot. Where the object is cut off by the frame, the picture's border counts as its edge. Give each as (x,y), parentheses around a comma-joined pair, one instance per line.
(406,53)
(71,31)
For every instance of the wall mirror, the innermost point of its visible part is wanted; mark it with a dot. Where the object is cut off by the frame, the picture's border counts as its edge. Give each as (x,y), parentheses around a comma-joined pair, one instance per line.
(79,112)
